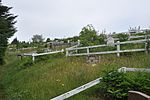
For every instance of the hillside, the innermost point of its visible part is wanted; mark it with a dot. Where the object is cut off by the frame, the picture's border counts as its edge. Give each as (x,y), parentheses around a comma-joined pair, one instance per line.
(57,74)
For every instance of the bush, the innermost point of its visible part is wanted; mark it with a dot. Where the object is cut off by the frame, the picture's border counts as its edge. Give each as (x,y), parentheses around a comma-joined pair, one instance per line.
(116,85)
(89,36)
(25,63)
(122,37)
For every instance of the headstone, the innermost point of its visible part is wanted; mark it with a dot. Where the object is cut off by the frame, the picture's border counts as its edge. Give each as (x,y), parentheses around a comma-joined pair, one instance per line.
(135,95)
(51,45)
(110,41)
(93,59)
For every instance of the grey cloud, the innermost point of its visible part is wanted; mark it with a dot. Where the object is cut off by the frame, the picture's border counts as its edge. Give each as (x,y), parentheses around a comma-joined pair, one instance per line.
(59,18)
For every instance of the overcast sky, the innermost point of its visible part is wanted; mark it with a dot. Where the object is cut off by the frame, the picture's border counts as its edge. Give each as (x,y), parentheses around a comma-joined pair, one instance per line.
(66,18)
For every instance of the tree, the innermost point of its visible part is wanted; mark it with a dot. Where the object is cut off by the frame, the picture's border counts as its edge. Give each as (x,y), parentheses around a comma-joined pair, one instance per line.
(48,40)
(122,37)
(102,38)
(7,29)
(15,41)
(37,38)
(75,38)
(88,36)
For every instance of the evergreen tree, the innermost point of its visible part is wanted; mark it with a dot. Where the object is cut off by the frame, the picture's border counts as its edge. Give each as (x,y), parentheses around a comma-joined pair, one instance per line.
(7,29)
(37,38)
(15,41)
(48,40)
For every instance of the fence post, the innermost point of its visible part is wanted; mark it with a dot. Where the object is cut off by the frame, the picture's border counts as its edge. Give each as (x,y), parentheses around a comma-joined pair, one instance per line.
(146,44)
(88,51)
(62,50)
(67,52)
(76,49)
(146,49)
(33,57)
(118,48)
(78,42)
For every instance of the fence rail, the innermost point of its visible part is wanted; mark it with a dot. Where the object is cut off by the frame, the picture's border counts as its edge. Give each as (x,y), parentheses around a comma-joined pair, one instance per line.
(107,52)
(33,55)
(77,90)
(95,82)
(118,51)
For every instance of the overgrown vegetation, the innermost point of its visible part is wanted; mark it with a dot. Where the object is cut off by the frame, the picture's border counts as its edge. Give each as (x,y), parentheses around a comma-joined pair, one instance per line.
(122,37)
(48,78)
(115,85)
(89,36)
(52,75)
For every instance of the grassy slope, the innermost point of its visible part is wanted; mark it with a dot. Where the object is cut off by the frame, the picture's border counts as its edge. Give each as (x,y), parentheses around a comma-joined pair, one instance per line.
(1,86)
(46,79)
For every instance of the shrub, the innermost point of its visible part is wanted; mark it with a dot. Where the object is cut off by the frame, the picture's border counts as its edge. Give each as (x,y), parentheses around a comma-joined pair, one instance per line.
(25,63)
(88,36)
(122,37)
(116,85)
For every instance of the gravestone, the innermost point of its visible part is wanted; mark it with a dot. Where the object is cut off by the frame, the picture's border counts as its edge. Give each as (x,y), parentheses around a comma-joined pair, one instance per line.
(93,59)
(135,95)
(110,41)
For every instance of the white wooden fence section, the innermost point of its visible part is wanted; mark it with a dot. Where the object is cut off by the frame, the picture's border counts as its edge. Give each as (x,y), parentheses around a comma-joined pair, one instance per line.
(125,69)
(95,82)
(40,54)
(118,51)
(77,90)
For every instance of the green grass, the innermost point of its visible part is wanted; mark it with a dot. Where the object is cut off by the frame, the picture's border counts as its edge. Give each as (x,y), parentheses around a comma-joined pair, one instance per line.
(46,79)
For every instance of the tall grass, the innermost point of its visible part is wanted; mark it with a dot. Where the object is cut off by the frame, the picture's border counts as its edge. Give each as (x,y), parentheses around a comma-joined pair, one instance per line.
(58,74)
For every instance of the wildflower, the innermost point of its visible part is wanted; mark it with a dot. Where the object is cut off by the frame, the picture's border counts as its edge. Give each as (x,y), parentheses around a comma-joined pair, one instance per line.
(93,65)
(58,80)
(63,84)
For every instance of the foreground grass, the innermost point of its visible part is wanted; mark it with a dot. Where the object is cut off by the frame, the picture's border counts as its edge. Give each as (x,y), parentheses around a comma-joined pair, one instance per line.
(46,79)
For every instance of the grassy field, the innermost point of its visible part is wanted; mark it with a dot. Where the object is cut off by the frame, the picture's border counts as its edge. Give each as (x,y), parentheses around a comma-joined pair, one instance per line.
(42,80)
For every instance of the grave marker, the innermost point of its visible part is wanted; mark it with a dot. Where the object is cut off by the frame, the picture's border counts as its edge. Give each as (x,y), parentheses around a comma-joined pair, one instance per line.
(110,41)
(93,59)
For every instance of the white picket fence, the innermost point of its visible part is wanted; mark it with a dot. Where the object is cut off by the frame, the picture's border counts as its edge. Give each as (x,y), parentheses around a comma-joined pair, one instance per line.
(33,55)
(118,51)
(95,82)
